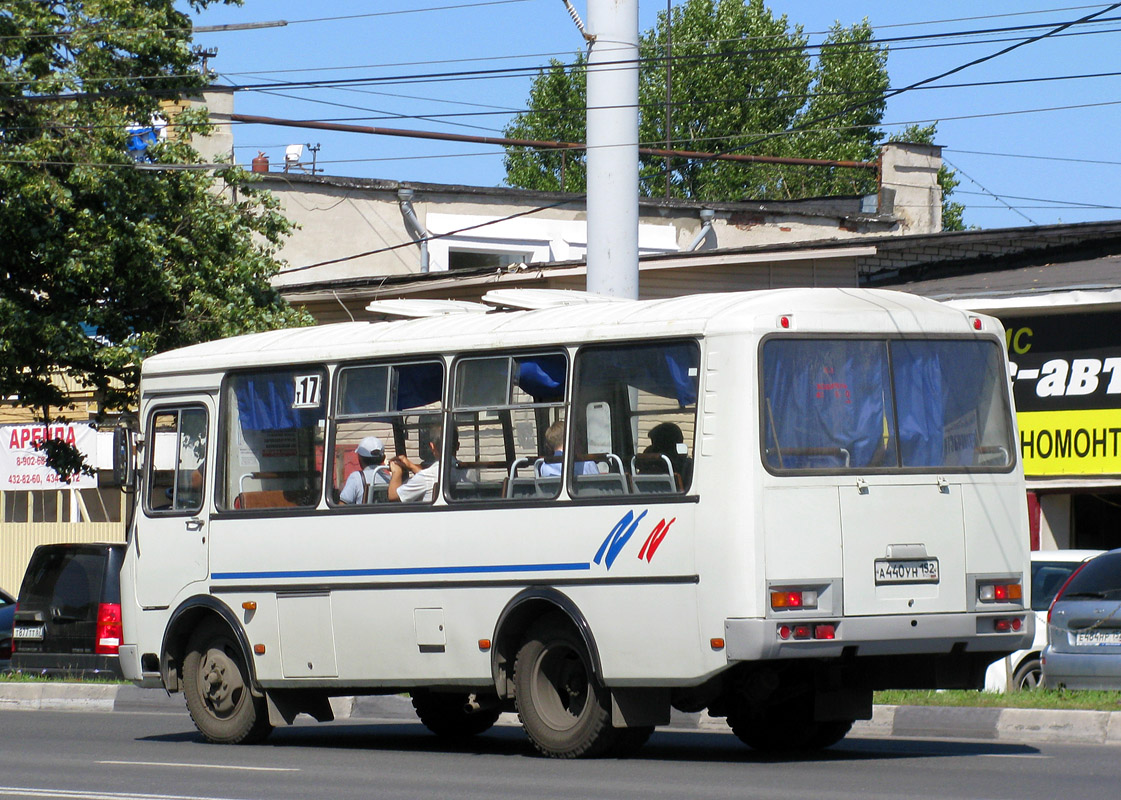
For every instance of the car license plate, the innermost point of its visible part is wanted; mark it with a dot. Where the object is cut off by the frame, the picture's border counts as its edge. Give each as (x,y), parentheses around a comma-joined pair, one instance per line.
(1097,638)
(910,570)
(28,632)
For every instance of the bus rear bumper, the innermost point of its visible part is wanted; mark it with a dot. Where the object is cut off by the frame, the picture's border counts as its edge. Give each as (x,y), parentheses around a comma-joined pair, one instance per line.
(763,639)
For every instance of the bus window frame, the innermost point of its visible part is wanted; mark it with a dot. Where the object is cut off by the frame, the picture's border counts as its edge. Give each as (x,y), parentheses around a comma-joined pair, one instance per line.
(223,437)
(787,472)
(451,411)
(653,498)
(334,418)
(150,459)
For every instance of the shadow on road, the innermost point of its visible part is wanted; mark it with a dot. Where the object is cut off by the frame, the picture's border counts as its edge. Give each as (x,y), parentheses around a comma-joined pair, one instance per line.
(666,745)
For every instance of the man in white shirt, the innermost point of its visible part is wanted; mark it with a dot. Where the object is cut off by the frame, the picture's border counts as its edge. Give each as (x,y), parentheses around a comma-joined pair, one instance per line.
(422,485)
(371,457)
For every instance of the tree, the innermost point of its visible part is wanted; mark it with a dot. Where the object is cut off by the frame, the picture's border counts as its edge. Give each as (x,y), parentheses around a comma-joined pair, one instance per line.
(741,81)
(106,260)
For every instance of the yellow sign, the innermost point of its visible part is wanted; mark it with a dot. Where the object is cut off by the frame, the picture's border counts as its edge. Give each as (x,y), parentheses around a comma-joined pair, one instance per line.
(1086,442)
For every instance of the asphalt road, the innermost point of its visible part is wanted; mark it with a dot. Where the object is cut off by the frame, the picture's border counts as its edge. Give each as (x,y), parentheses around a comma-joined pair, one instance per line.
(139,756)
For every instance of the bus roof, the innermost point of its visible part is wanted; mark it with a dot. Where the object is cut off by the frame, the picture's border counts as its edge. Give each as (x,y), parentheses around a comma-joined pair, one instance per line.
(837,310)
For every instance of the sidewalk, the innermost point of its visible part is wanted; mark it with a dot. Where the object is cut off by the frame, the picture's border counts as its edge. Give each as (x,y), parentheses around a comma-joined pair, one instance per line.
(911,722)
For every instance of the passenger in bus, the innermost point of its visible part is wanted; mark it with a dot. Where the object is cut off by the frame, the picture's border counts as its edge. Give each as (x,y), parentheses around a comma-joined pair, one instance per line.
(421,486)
(552,468)
(371,458)
(666,439)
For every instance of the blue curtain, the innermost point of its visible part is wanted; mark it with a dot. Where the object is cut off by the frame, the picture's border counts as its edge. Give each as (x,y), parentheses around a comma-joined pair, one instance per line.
(826,395)
(543,377)
(264,403)
(664,370)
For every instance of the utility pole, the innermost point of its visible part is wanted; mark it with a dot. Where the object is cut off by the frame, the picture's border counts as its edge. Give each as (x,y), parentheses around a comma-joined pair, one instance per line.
(613,148)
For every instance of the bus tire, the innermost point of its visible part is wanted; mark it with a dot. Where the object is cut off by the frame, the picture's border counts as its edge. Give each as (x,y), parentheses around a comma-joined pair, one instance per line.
(564,710)
(216,683)
(786,728)
(448,714)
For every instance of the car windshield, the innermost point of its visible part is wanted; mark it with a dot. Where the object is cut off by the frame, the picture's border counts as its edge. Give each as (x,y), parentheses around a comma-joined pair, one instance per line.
(1101,577)
(1047,577)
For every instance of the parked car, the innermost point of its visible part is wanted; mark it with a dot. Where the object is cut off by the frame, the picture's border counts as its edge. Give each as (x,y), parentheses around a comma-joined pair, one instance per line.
(7,610)
(1084,624)
(68,621)
(1049,571)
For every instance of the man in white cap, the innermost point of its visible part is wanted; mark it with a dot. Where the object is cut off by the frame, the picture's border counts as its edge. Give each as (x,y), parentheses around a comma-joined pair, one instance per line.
(371,457)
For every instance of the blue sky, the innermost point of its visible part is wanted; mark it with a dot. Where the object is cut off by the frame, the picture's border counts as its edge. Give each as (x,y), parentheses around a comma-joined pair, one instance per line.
(1019,164)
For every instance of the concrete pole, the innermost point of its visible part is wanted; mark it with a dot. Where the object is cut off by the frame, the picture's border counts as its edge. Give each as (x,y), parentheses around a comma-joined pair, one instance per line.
(613,148)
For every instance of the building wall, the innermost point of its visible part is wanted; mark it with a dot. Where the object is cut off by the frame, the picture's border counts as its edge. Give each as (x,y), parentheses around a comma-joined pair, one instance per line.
(17,541)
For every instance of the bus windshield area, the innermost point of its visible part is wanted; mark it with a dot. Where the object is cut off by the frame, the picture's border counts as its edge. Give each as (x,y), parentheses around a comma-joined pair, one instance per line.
(884,404)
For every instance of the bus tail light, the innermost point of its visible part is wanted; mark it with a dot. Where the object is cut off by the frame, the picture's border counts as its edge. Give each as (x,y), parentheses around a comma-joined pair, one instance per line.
(814,630)
(1008,625)
(802,598)
(109,629)
(1000,592)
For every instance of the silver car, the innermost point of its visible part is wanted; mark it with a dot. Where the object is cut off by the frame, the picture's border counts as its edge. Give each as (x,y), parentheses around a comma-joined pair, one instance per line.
(1049,571)
(1084,628)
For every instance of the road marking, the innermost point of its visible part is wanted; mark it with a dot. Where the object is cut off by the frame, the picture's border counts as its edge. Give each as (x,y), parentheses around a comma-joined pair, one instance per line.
(199,766)
(70,794)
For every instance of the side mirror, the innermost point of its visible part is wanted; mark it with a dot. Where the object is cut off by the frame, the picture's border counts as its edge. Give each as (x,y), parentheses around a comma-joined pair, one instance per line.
(124,460)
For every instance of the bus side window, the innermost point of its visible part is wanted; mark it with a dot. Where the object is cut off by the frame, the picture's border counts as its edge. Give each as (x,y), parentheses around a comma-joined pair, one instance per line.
(386,406)
(177,460)
(272,439)
(506,411)
(636,408)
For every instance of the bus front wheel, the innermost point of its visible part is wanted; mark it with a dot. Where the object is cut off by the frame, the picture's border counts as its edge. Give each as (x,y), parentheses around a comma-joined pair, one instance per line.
(216,682)
(564,710)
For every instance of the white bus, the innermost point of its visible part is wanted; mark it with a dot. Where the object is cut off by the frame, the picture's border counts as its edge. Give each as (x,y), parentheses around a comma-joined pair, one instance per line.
(763,504)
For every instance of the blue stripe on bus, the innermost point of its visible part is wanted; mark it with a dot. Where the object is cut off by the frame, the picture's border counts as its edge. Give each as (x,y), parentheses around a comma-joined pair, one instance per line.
(366,573)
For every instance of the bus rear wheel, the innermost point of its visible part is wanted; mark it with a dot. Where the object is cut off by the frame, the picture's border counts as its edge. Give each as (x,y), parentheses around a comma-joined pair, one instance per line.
(788,727)
(453,715)
(564,710)
(216,682)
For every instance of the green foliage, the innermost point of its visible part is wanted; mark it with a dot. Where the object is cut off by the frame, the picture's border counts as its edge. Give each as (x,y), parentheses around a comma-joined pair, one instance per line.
(104,263)
(952,213)
(741,81)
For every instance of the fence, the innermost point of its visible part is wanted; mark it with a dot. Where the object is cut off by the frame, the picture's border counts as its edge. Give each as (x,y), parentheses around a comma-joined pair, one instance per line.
(18,539)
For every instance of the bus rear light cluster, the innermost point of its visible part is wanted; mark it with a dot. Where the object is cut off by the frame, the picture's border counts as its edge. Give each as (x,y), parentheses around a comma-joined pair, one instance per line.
(1008,625)
(803,598)
(1000,592)
(812,630)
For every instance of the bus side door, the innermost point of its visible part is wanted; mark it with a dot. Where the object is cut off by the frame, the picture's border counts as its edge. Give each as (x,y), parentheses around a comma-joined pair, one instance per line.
(171,536)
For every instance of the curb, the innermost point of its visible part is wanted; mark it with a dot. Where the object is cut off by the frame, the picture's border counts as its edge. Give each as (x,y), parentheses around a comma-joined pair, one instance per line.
(911,722)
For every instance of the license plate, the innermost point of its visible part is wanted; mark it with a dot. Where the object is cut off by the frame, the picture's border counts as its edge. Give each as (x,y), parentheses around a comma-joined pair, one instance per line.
(28,632)
(910,570)
(1097,638)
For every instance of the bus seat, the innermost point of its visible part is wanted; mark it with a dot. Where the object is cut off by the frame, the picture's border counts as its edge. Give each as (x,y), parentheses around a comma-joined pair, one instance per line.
(548,486)
(265,498)
(378,492)
(652,480)
(520,487)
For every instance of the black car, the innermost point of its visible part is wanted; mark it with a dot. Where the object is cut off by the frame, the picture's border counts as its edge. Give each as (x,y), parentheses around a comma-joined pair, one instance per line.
(68,621)
(7,610)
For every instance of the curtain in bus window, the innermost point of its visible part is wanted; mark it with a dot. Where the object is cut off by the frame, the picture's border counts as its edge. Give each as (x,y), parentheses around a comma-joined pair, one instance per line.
(824,404)
(542,377)
(664,370)
(940,387)
(264,403)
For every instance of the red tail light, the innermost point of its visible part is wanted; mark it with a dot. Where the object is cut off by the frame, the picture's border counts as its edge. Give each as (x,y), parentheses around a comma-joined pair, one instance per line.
(1063,588)
(109,629)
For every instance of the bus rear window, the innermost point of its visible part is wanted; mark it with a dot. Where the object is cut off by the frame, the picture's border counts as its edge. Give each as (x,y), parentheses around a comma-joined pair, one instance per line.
(884,405)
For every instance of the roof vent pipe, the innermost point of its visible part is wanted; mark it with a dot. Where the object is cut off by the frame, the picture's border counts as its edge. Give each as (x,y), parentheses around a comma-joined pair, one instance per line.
(707,215)
(416,230)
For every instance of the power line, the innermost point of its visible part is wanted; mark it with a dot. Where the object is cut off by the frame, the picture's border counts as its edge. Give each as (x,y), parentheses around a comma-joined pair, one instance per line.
(1037,158)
